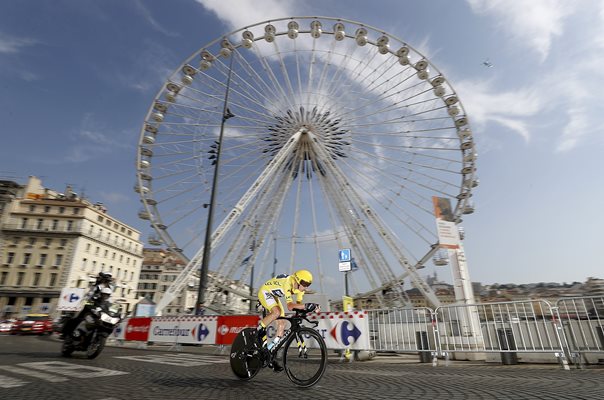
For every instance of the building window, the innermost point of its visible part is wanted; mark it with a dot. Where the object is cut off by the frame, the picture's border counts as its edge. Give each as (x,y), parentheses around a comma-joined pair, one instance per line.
(32,241)
(20,276)
(23,223)
(99,218)
(10,258)
(69,225)
(63,242)
(43,259)
(84,262)
(40,224)
(32,208)
(47,241)
(55,224)
(96,251)
(52,280)
(3,277)
(106,253)
(59,259)
(93,265)
(26,258)
(36,280)
(91,230)
(47,209)
(61,210)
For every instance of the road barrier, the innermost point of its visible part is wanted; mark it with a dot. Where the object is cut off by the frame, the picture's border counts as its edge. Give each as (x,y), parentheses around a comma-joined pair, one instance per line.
(513,330)
(507,328)
(582,319)
(404,330)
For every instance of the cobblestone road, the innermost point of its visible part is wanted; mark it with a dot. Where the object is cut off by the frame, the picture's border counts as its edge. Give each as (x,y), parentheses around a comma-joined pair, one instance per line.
(31,368)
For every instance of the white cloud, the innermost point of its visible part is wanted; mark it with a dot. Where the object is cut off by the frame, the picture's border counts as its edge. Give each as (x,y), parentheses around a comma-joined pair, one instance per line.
(114,197)
(533,23)
(147,15)
(91,142)
(575,129)
(510,109)
(9,44)
(238,14)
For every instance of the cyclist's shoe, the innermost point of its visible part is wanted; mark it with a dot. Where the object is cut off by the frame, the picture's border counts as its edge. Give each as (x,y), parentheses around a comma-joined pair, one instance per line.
(277,367)
(261,336)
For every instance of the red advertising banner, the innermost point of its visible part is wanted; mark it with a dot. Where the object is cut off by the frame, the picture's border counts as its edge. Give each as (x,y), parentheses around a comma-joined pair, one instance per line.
(138,329)
(228,326)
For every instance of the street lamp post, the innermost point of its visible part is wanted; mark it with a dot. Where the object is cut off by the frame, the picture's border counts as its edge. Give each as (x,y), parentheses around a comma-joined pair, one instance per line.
(205,262)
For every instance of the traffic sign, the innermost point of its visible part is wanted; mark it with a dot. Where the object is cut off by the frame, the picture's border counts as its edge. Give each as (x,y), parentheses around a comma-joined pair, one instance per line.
(345,255)
(344,266)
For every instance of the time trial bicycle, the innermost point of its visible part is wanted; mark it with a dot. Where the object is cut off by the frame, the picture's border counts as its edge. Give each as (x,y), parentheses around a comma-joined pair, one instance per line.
(304,352)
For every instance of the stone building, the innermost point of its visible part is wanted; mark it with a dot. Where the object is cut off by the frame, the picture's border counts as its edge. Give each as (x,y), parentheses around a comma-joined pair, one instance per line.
(51,240)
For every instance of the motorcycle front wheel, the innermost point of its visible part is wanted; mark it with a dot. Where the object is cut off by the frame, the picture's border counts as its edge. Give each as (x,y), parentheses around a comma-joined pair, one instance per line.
(95,347)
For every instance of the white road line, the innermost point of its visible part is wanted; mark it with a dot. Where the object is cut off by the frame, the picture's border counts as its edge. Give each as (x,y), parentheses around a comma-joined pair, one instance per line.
(34,374)
(8,382)
(183,360)
(72,370)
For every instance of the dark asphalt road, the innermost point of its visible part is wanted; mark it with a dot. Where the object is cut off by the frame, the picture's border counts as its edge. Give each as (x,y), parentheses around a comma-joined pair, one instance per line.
(32,368)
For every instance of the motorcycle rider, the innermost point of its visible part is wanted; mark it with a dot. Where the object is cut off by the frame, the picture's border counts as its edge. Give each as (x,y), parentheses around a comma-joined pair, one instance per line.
(97,296)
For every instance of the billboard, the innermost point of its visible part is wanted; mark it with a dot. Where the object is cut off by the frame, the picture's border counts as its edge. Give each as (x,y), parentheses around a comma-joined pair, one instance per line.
(448,234)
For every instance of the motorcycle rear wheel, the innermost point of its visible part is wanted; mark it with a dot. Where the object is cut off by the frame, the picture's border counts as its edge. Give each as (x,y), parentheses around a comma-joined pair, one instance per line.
(67,348)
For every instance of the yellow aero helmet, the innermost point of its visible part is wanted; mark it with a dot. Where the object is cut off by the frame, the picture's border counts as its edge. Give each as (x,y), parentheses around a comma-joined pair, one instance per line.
(303,277)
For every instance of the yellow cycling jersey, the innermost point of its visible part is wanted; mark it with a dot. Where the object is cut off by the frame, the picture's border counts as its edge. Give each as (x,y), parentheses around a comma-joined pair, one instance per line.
(283,287)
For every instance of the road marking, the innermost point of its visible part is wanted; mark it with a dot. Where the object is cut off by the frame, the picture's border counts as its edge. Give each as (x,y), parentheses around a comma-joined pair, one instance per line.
(72,370)
(8,382)
(183,360)
(34,374)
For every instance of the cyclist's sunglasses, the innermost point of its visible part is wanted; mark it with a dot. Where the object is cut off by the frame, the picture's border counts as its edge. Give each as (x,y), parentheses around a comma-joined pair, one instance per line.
(304,283)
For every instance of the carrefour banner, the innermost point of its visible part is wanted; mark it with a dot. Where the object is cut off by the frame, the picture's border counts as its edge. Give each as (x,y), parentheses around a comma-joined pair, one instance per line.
(189,329)
(119,333)
(344,330)
(71,299)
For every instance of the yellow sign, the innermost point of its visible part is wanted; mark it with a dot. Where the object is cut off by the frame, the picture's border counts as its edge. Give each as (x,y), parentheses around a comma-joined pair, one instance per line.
(347,303)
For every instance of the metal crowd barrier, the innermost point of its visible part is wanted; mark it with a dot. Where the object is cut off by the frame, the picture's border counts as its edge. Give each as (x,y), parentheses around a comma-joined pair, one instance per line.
(582,319)
(532,328)
(507,328)
(404,330)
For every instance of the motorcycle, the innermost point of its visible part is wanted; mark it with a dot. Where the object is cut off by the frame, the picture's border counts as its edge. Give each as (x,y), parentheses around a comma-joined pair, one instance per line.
(91,333)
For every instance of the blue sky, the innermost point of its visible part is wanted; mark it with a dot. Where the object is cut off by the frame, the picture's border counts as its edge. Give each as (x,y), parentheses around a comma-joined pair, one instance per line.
(78,77)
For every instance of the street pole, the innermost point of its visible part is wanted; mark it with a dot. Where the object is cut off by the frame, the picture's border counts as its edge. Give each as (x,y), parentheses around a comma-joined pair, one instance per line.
(205,262)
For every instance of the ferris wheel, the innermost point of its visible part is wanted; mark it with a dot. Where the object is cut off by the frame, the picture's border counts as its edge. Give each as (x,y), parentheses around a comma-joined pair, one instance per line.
(334,135)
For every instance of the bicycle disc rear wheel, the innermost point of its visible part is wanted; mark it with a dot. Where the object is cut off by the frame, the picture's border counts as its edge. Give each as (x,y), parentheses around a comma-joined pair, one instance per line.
(305,357)
(245,360)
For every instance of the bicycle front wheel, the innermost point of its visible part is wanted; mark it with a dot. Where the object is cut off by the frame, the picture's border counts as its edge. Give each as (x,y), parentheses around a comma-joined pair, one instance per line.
(305,357)
(245,358)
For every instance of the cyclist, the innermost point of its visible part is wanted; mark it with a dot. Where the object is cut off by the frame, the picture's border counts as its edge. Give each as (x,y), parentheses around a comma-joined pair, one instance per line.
(282,286)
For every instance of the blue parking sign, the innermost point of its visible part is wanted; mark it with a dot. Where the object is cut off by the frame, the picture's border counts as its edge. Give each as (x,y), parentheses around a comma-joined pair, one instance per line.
(345,255)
